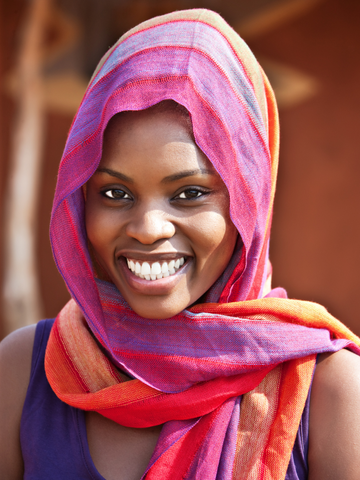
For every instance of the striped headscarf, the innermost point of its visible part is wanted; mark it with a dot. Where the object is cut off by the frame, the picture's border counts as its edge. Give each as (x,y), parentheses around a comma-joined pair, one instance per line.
(228,378)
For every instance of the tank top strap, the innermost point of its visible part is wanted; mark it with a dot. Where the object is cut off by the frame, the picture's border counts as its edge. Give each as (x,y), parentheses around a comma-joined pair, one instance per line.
(42,333)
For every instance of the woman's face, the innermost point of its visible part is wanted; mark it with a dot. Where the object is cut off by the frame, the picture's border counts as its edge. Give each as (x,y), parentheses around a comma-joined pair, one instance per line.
(157,214)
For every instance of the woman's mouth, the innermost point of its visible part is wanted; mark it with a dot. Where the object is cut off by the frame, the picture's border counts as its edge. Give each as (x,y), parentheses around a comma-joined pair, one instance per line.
(155,270)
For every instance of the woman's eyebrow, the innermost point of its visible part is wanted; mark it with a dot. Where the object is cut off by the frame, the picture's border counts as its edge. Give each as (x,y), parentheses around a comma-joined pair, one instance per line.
(168,179)
(187,173)
(113,173)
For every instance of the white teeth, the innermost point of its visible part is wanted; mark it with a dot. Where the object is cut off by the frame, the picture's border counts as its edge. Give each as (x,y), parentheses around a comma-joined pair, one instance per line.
(155,271)
(145,269)
(155,268)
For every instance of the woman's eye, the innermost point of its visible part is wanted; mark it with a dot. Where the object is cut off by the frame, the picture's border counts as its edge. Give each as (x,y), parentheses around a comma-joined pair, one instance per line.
(191,194)
(116,194)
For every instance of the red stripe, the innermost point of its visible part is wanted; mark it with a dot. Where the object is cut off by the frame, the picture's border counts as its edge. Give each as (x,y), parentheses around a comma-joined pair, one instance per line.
(192,403)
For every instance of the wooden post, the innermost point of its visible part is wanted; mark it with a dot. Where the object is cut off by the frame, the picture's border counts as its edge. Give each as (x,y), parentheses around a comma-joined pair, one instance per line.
(21,294)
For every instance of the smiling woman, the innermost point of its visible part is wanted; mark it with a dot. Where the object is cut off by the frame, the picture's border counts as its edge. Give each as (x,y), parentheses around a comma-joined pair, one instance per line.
(157,213)
(175,359)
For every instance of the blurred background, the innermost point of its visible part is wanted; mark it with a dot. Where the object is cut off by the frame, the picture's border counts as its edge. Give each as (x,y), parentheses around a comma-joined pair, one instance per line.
(310,51)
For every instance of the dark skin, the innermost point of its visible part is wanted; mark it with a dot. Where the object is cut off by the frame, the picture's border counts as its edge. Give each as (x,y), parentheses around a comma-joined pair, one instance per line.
(155,197)
(123,453)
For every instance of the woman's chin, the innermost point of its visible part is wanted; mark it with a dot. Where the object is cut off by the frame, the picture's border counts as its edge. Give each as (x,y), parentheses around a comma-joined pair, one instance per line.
(158,309)
(156,312)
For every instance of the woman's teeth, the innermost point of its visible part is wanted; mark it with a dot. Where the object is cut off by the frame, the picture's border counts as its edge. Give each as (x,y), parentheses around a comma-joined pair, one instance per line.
(155,270)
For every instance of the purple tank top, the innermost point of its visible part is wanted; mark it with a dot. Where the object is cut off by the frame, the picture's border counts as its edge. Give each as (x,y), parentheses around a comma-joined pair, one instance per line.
(53,434)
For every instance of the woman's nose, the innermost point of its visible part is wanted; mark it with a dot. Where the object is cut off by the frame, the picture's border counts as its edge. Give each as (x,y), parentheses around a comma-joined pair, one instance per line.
(150,226)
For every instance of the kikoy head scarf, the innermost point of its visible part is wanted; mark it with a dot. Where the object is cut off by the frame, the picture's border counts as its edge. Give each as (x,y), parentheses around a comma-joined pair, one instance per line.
(189,370)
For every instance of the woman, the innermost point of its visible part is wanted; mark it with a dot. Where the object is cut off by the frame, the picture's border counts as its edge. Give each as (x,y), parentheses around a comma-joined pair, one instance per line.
(175,359)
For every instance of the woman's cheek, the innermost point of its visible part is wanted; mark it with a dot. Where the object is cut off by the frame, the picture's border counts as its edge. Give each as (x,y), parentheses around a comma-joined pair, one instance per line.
(101,223)
(213,241)
(210,229)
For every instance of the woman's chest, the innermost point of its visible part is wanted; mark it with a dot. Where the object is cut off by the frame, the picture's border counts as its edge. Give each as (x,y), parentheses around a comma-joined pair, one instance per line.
(119,453)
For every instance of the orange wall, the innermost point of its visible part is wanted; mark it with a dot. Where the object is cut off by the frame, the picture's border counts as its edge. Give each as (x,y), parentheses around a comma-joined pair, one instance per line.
(316,228)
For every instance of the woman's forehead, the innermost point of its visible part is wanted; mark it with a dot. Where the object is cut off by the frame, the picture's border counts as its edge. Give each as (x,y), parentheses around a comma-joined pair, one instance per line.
(167,110)
(162,137)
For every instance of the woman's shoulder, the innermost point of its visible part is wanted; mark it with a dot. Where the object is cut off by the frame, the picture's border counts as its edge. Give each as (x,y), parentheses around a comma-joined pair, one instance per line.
(15,358)
(15,367)
(334,447)
(337,374)
(337,379)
